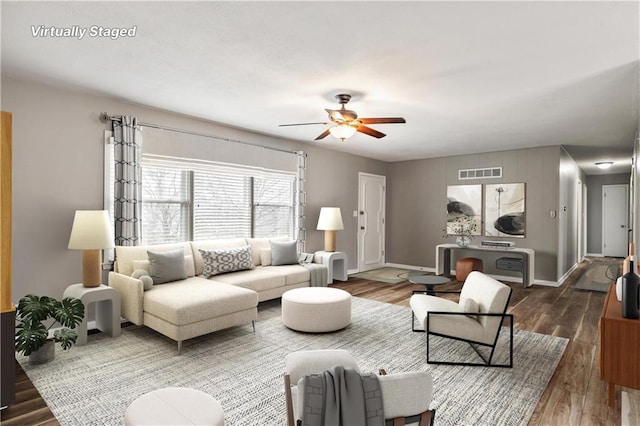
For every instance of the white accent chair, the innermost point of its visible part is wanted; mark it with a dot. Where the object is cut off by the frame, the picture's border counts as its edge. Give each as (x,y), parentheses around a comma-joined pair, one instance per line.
(476,318)
(406,396)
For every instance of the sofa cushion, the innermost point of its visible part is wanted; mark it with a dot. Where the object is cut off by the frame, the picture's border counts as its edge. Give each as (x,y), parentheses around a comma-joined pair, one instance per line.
(293,274)
(212,245)
(196,299)
(125,255)
(226,260)
(284,253)
(257,279)
(166,266)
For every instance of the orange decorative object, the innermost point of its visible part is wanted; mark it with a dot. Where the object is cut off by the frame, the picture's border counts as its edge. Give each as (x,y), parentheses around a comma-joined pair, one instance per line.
(465,265)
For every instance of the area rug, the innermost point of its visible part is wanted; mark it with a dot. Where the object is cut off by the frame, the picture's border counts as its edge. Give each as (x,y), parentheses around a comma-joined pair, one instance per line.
(602,271)
(387,275)
(95,383)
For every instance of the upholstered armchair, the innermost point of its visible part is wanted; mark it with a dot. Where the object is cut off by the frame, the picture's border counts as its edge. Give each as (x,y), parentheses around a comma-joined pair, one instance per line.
(476,318)
(406,396)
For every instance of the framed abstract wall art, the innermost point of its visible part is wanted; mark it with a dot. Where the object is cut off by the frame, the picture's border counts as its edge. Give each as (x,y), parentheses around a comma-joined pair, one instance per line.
(464,208)
(504,210)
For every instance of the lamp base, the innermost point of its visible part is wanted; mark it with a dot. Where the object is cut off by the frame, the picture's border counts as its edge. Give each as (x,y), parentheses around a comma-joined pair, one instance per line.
(330,241)
(91,273)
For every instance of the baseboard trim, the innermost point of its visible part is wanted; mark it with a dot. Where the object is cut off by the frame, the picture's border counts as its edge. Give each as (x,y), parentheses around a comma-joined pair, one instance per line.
(594,254)
(566,274)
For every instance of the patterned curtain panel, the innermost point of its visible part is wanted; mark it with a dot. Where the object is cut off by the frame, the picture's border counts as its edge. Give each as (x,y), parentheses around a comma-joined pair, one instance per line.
(127,182)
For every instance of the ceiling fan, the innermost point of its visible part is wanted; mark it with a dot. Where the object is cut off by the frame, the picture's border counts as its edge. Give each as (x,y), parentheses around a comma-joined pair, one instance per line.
(347,122)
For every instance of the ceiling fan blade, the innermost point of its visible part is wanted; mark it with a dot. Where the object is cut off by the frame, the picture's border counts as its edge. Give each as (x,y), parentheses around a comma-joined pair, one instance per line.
(323,135)
(371,132)
(301,124)
(382,120)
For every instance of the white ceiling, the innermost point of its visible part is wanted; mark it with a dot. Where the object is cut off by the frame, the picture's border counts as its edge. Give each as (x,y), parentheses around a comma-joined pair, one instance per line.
(468,76)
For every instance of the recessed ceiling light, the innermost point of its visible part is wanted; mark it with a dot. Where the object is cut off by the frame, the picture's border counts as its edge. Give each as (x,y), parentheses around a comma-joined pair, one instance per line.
(604,164)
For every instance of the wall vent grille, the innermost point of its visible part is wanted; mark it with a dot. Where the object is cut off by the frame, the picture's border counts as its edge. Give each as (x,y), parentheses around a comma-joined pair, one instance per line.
(486,173)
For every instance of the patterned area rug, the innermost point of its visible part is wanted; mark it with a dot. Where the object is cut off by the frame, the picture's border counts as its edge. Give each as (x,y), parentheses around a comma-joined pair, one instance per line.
(387,275)
(94,384)
(600,274)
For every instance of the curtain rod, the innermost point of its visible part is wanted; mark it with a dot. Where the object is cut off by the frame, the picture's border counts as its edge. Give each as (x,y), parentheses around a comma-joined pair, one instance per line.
(104,117)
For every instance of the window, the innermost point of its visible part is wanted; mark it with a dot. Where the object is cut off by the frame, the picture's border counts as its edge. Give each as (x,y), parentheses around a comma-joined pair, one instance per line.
(181,205)
(165,205)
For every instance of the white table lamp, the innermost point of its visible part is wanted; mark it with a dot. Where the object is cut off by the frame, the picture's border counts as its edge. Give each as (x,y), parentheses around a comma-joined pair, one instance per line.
(330,221)
(91,232)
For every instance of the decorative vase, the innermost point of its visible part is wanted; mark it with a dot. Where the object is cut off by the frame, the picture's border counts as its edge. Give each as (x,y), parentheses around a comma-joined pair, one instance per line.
(630,283)
(45,354)
(464,240)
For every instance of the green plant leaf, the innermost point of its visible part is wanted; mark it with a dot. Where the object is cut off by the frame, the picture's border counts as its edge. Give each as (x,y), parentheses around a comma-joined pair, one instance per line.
(34,308)
(66,337)
(30,336)
(69,312)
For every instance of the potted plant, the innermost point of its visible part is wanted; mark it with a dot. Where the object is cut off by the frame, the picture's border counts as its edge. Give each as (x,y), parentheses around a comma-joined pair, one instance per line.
(463,227)
(36,315)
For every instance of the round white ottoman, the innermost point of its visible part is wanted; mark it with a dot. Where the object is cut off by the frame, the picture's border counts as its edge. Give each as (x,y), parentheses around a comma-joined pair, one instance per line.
(174,406)
(316,309)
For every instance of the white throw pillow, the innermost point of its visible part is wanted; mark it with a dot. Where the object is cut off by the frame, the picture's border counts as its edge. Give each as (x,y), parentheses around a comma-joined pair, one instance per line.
(265,257)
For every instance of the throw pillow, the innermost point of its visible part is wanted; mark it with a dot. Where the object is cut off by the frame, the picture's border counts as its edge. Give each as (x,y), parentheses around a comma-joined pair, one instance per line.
(284,253)
(265,257)
(166,266)
(143,276)
(227,260)
(140,265)
(469,306)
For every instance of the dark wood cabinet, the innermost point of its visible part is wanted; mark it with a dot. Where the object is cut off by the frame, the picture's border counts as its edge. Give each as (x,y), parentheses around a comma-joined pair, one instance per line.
(619,352)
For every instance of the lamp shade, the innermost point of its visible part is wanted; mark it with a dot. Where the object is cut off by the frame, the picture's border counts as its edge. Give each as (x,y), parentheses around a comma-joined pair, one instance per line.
(342,131)
(91,231)
(330,219)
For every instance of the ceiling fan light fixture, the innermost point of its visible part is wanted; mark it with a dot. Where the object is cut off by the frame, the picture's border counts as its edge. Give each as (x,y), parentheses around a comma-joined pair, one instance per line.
(342,131)
(604,164)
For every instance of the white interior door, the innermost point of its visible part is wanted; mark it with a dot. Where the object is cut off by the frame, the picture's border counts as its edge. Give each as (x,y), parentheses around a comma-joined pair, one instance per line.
(371,221)
(615,220)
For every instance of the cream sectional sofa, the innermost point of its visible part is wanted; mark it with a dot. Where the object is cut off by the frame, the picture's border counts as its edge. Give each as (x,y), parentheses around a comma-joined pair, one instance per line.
(195,306)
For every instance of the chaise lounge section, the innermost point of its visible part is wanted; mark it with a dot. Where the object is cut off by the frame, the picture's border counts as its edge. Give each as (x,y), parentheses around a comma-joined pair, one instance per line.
(194,305)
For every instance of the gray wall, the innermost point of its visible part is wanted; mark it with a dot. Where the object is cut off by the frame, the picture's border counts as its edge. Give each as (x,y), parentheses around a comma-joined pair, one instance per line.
(416,199)
(594,207)
(58,168)
(570,186)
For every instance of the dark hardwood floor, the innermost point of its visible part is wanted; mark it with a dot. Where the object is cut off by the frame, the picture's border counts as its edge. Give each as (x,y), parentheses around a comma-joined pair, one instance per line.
(575,395)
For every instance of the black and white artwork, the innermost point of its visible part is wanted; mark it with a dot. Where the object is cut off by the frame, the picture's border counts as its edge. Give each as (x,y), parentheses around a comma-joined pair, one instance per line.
(464,209)
(504,210)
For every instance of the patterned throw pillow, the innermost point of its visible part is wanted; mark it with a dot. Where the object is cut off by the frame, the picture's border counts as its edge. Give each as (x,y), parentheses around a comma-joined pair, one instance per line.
(227,260)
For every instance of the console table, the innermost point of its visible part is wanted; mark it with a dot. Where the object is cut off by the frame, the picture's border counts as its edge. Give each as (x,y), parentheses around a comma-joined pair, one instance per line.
(619,347)
(443,259)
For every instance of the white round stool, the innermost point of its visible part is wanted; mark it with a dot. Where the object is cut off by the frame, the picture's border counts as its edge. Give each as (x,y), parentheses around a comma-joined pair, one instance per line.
(174,406)
(316,309)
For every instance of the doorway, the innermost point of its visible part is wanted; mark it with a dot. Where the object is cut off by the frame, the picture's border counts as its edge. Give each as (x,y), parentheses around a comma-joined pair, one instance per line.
(371,221)
(615,220)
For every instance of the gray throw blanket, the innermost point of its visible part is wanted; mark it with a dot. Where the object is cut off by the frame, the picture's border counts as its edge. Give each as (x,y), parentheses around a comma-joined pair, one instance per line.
(318,274)
(342,397)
